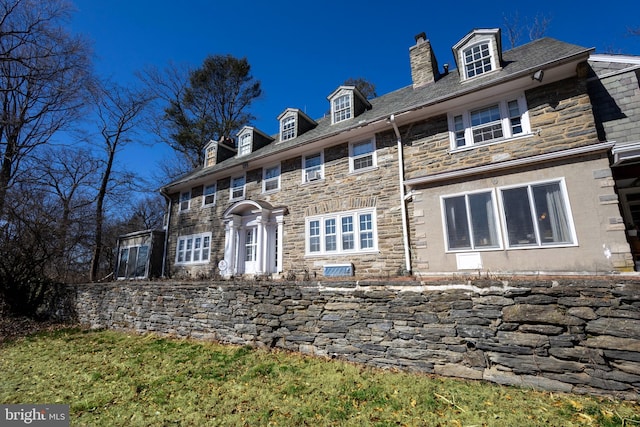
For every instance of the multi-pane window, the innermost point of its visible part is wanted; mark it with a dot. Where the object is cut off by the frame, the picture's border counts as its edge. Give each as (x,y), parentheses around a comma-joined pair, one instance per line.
(537,215)
(250,245)
(362,155)
(244,146)
(193,249)
(288,128)
(531,215)
(209,195)
(312,169)
(185,201)
(210,156)
(341,108)
(344,232)
(489,123)
(477,59)
(271,178)
(237,187)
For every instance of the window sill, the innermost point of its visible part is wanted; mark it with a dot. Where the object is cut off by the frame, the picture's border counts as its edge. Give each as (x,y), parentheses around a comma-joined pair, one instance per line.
(326,254)
(512,248)
(187,264)
(363,170)
(315,181)
(271,191)
(498,141)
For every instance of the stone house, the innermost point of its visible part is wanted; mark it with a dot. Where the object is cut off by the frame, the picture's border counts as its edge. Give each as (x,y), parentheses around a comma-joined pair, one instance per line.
(498,165)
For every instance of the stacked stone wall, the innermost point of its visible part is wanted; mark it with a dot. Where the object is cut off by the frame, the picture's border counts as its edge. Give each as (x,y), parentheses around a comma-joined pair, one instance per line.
(579,336)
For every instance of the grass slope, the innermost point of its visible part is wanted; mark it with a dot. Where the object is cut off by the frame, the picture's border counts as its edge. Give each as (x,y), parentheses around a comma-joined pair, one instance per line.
(116,379)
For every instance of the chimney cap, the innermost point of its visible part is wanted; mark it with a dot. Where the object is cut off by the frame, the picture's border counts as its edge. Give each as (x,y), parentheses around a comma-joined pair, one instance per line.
(420,37)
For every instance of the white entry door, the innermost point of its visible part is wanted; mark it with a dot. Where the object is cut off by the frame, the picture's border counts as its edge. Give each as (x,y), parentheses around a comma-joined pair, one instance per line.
(250,250)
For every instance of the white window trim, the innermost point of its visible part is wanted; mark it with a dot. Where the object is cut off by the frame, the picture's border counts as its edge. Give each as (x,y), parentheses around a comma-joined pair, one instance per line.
(504,119)
(304,169)
(567,205)
(210,156)
(265,179)
(497,221)
(290,132)
(204,195)
(193,238)
(248,136)
(501,224)
(349,95)
(355,214)
(492,55)
(373,153)
(231,188)
(184,195)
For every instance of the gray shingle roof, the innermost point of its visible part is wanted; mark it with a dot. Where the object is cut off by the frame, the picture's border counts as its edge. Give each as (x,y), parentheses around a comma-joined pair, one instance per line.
(516,62)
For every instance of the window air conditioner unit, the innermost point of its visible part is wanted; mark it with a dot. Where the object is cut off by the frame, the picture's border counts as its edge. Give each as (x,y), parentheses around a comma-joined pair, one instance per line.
(313,175)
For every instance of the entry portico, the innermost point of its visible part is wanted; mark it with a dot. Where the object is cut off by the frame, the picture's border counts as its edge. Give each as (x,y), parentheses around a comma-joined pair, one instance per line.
(253,239)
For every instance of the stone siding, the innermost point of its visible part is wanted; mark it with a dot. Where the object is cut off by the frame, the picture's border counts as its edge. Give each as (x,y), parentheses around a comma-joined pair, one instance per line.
(339,190)
(571,335)
(560,117)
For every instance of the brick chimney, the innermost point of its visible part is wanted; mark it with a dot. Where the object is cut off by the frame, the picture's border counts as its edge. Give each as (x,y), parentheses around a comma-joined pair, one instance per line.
(424,67)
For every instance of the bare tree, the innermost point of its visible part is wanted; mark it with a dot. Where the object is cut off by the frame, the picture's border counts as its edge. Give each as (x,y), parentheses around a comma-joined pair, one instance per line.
(513,27)
(118,110)
(43,74)
(68,177)
(367,88)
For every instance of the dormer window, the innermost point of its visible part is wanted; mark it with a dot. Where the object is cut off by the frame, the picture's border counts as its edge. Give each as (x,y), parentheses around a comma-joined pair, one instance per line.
(342,108)
(210,156)
(250,140)
(478,53)
(244,144)
(477,59)
(288,128)
(294,123)
(347,102)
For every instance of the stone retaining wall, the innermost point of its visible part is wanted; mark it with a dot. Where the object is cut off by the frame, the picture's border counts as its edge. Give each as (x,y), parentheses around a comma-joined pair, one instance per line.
(580,336)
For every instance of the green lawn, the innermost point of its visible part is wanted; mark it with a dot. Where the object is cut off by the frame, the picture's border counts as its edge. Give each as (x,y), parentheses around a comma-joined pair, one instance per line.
(116,379)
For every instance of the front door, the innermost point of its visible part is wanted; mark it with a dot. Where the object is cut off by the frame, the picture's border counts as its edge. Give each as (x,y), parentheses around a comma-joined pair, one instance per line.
(250,250)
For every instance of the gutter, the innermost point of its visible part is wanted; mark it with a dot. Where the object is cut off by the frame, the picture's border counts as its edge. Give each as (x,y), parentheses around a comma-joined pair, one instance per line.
(166,234)
(403,202)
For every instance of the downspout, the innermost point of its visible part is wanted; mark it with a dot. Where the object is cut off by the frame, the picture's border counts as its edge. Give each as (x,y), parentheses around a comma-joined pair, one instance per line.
(166,234)
(403,202)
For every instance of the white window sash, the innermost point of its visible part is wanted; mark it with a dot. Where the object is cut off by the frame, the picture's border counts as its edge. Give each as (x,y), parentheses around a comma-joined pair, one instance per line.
(193,249)
(461,130)
(326,235)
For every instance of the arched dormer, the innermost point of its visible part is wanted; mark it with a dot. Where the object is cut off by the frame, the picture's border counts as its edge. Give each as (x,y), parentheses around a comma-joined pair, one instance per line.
(478,53)
(347,102)
(294,123)
(251,139)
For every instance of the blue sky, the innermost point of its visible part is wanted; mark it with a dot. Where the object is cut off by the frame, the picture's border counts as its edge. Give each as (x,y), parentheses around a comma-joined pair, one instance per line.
(301,51)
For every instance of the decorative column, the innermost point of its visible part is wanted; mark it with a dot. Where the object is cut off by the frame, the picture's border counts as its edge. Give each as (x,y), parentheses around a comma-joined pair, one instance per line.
(231,229)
